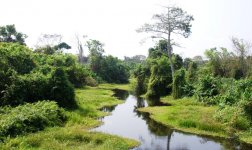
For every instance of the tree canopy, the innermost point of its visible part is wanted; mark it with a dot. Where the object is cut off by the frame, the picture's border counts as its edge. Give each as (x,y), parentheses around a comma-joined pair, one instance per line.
(9,33)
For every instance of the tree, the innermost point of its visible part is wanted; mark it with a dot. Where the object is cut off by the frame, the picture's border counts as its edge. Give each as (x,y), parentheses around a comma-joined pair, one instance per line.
(242,49)
(175,21)
(96,51)
(8,33)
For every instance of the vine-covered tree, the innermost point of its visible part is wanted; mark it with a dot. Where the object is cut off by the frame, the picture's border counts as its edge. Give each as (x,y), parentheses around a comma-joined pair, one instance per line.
(174,21)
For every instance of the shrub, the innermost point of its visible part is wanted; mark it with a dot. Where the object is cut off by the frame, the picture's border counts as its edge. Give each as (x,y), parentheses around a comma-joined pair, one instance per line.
(91,81)
(207,88)
(234,116)
(189,89)
(30,118)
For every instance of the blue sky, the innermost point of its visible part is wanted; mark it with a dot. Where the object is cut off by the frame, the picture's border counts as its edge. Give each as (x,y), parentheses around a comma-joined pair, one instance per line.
(114,22)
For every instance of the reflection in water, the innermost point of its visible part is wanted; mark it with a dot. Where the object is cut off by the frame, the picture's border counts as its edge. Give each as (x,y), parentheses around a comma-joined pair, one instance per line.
(120,94)
(108,108)
(126,121)
(156,102)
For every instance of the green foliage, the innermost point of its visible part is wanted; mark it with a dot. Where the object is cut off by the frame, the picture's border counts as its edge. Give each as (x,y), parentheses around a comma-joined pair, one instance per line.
(178,61)
(192,72)
(50,50)
(226,64)
(156,73)
(186,63)
(221,62)
(178,84)
(36,86)
(207,88)
(96,51)
(27,88)
(77,75)
(113,70)
(16,57)
(61,90)
(110,69)
(141,74)
(233,116)
(6,78)
(62,45)
(188,89)
(8,33)
(160,78)
(30,118)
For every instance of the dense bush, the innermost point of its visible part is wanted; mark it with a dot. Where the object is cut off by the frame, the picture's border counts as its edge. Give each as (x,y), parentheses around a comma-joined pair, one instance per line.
(6,77)
(30,118)
(26,88)
(17,57)
(36,86)
(231,91)
(61,90)
(113,70)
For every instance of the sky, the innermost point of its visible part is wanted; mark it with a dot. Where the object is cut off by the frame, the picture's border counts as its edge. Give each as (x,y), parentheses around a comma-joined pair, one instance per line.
(114,22)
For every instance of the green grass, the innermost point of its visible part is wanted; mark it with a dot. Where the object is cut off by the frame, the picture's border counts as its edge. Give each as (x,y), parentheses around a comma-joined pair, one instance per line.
(191,116)
(187,115)
(75,134)
(68,138)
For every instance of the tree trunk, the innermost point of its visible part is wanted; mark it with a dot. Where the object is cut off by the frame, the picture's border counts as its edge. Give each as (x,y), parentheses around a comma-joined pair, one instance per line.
(169,51)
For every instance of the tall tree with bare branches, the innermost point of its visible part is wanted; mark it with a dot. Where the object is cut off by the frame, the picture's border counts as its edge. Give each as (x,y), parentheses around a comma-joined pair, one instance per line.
(174,21)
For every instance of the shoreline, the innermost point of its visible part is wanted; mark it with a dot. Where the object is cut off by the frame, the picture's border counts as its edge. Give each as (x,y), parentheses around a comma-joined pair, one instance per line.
(161,115)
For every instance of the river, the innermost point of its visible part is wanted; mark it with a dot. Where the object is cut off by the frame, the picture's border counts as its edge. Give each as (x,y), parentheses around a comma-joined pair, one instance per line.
(127,122)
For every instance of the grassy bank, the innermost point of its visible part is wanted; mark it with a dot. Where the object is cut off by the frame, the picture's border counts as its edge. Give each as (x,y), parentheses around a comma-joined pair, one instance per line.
(191,116)
(75,134)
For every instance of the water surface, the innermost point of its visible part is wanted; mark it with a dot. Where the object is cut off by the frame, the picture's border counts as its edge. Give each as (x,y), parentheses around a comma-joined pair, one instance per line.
(126,121)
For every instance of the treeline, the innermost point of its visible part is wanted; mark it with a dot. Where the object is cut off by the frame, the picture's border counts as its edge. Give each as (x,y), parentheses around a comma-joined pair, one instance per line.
(39,83)
(223,79)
